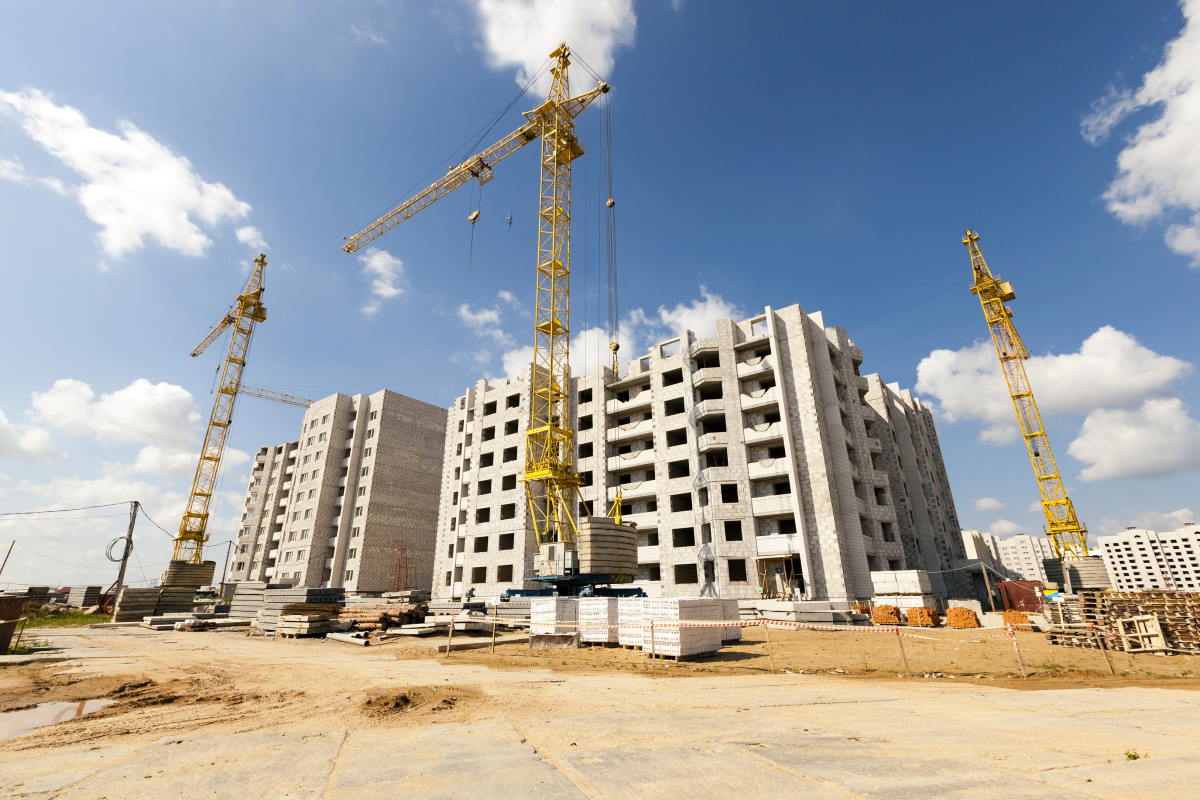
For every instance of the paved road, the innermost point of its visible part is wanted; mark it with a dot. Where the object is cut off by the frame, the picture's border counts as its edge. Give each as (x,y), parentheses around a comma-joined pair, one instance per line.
(547,735)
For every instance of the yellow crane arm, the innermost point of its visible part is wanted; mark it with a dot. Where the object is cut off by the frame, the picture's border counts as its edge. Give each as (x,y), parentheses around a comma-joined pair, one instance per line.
(214,334)
(278,397)
(1066,534)
(477,167)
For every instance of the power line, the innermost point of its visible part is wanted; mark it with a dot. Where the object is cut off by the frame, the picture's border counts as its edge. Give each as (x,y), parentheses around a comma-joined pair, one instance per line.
(62,510)
(90,516)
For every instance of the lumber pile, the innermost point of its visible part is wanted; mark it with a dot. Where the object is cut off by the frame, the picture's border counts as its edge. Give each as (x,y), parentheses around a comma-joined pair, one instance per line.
(962,618)
(382,616)
(886,615)
(1176,613)
(135,604)
(922,617)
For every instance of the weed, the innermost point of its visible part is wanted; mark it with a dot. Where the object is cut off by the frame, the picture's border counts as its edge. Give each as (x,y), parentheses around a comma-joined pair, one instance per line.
(866,663)
(1185,672)
(1051,665)
(1132,755)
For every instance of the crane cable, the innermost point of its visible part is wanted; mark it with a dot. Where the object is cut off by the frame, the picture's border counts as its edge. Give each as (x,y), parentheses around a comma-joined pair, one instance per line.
(610,228)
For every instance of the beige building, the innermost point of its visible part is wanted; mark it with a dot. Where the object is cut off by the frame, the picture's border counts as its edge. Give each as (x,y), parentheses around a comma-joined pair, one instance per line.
(758,459)
(1022,555)
(1142,560)
(338,506)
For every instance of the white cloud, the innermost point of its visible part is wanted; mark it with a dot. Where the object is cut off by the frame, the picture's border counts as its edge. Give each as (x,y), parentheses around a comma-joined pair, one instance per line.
(700,317)
(1004,527)
(25,442)
(387,277)
(15,171)
(522,33)
(485,322)
(366,33)
(1156,439)
(1159,169)
(134,186)
(988,503)
(1110,370)
(162,414)
(251,237)
(1151,521)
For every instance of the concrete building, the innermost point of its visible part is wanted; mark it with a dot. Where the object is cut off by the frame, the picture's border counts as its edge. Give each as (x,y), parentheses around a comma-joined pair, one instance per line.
(1022,555)
(756,460)
(335,507)
(1139,560)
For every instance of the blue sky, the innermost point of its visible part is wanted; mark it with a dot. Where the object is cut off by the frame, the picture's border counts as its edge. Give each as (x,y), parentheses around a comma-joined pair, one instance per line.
(823,154)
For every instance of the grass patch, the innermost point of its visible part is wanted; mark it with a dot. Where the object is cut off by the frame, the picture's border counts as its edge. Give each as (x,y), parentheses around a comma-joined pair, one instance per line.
(28,643)
(41,617)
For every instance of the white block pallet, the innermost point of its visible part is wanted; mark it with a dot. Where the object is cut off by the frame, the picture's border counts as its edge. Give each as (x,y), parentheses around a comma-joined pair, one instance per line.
(598,611)
(680,641)
(630,613)
(731,612)
(553,615)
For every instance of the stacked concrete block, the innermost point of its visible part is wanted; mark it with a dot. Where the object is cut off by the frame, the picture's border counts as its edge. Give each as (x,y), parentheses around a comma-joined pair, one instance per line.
(904,589)
(606,548)
(133,605)
(630,617)
(274,601)
(731,612)
(31,594)
(549,615)
(598,611)
(184,573)
(176,599)
(676,640)
(84,596)
(301,625)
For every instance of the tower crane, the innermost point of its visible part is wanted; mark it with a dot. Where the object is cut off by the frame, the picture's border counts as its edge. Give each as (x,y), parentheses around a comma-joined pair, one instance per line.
(550,479)
(249,310)
(1067,535)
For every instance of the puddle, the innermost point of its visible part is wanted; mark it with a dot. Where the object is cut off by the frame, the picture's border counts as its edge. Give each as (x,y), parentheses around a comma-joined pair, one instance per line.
(15,723)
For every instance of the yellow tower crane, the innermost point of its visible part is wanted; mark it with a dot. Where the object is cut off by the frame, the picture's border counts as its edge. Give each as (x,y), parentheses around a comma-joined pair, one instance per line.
(1067,535)
(550,479)
(189,542)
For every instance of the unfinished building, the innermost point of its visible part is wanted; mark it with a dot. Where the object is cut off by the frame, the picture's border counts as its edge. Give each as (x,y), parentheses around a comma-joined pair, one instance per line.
(757,463)
(352,503)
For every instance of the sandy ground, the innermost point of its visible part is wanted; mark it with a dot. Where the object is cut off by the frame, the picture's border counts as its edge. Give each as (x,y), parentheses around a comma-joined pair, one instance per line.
(604,722)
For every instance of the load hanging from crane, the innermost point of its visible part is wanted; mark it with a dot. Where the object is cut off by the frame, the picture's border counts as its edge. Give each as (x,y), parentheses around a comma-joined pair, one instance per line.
(1067,535)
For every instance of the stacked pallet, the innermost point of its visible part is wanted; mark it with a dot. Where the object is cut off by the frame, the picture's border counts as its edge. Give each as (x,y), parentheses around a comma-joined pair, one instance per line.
(176,600)
(1177,613)
(297,625)
(731,612)
(133,605)
(630,613)
(671,640)
(445,608)
(274,601)
(600,612)
(84,596)
(549,615)
(31,594)
(1064,612)
(382,616)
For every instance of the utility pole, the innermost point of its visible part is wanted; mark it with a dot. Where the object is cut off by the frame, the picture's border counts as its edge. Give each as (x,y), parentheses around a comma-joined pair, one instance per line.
(988,584)
(6,555)
(133,509)
(225,569)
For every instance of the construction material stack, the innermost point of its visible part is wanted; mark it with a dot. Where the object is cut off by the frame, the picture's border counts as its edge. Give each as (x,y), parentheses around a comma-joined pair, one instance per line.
(731,612)
(630,616)
(1176,615)
(673,640)
(551,615)
(903,589)
(133,605)
(598,620)
(176,599)
(274,601)
(31,594)
(449,608)
(84,596)
(381,616)
(301,625)
(513,610)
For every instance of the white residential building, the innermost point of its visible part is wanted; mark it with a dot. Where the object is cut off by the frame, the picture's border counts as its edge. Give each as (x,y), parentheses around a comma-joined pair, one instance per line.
(341,504)
(1138,559)
(758,460)
(1022,555)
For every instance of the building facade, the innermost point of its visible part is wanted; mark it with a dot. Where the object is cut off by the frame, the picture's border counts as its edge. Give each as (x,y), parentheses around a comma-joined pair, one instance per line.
(758,462)
(1022,556)
(352,503)
(1142,560)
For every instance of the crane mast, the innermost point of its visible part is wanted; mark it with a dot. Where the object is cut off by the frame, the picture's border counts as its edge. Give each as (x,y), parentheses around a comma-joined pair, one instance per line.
(189,542)
(1067,535)
(550,479)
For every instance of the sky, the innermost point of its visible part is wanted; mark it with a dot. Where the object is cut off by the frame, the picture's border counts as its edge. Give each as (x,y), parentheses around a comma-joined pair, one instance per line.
(824,154)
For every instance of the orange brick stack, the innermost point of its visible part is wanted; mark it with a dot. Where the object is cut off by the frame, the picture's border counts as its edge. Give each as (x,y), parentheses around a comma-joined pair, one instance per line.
(1017,619)
(922,617)
(886,615)
(860,609)
(962,618)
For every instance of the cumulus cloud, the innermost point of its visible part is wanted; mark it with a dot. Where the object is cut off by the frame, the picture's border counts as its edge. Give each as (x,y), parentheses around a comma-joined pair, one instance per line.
(14,171)
(700,316)
(387,277)
(162,414)
(25,442)
(1005,527)
(251,237)
(486,322)
(1158,171)
(1110,370)
(1151,521)
(522,33)
(134,186)
(988,503)
(1158,438)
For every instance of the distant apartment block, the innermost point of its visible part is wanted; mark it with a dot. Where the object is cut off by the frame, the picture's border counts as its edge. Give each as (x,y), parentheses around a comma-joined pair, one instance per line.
(1022,555)
(758,460)
(338,505)
(1140,560)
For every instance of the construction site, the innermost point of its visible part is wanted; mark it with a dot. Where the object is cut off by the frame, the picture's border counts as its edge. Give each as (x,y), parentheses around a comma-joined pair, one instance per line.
(730,565)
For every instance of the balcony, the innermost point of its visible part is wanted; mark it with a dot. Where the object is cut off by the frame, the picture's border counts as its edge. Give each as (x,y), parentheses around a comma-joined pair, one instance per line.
(760,398)
(703,376)
(861,505)
(349,444)
(635,404)
(708,408)
(854,471)
(342,480)
(779,544)
(710,440)
(337,501)
(632,432)
(279,520)
(273,554)
(771,505)
(345,463)
(634,460)
(874,445)
(637,490)
(767,468)
(756,368)
(763,433)
(291,468)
